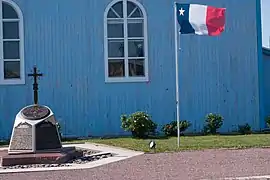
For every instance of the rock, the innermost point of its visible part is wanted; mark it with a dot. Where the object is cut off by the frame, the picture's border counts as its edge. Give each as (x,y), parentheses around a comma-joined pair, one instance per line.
(103,156)
(86,158)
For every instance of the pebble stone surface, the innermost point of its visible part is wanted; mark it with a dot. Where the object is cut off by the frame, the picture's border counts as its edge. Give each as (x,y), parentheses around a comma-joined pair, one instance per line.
(208,164)
(86,158)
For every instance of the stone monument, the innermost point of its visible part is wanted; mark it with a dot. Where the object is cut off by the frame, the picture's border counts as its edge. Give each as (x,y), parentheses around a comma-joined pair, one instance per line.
(35,128)
(35,138)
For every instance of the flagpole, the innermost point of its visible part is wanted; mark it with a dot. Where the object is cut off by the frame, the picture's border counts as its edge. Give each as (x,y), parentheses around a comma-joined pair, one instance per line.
(177,40)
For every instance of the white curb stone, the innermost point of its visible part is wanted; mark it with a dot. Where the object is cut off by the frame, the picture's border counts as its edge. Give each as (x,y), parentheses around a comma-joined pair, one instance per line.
(266,177)
(119,154)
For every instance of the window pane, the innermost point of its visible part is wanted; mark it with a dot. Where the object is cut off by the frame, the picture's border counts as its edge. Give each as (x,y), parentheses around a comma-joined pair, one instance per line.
(116,68)
(118,8)
(130,8)
(133,11)
(115,30)
(135,48)
(116,48)
(111,14)
(135,29)
(11,30)
(11,69)
(136,67)
(8,12)
(11,50)
(137,14)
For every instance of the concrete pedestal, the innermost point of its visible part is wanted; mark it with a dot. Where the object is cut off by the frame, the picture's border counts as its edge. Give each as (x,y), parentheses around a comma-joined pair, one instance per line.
(34,130)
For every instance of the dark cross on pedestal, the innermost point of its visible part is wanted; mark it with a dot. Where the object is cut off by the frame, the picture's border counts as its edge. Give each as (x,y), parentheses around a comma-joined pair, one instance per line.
(35,74)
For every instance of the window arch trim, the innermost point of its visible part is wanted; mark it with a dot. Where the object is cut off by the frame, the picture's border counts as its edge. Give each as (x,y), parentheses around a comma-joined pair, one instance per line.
(145,37)
(3,81)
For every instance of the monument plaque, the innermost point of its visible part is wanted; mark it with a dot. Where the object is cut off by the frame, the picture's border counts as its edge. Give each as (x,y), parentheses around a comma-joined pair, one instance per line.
(47,136)
(34,127)
(24,141)
(35,112)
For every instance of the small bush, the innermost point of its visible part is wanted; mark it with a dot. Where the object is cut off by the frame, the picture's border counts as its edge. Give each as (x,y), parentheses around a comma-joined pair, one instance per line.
(244,129)
(213,123)
(171,129)
(58,126)
(267,119)
(139,124)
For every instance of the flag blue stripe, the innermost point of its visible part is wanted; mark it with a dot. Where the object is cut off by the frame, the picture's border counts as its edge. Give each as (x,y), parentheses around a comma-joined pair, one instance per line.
(183,21)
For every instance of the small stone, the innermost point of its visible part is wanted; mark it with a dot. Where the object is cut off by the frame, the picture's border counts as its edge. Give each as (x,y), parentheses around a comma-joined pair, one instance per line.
(85,158)
(103,156)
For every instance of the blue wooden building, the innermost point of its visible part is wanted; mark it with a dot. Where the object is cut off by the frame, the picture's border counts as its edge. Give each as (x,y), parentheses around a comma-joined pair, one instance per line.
(266,75)
(104,58)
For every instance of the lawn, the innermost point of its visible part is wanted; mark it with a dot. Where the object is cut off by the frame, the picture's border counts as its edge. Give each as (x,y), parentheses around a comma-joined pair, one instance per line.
(190,142)
(186,142)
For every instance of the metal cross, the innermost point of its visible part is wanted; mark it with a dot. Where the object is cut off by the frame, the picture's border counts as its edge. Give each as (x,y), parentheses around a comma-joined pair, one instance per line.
(35,74)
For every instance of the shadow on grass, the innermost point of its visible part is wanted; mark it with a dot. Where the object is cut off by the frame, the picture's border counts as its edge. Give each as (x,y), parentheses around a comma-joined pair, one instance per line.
(114,137)
(153,137)
(4,143)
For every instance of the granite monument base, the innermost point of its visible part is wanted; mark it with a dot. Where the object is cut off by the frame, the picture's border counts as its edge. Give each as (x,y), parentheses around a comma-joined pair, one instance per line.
(34,130)
(60,156)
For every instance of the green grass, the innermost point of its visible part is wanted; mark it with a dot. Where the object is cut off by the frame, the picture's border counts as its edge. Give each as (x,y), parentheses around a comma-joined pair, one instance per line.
(186,142)
(190,142)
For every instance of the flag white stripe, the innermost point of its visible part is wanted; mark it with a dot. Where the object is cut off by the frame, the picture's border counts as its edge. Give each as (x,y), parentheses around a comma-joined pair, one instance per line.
(197,18)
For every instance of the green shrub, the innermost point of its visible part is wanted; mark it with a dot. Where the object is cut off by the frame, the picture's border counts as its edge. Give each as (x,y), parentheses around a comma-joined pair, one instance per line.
(58,126)
(171,129)
(267,119)
(139,124)
(213,123)
(244,129)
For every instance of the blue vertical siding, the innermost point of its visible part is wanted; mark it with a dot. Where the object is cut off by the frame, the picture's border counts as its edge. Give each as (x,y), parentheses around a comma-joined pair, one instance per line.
(266,65)
(220,74)
(260,65)
(65,40)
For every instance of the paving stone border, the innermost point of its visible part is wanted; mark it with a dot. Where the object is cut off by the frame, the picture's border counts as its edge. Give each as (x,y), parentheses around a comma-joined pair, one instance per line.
(88,156)
(93,155)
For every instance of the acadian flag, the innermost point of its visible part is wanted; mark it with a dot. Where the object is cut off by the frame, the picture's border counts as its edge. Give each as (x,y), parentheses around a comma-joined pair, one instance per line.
(195,19)
(200,19)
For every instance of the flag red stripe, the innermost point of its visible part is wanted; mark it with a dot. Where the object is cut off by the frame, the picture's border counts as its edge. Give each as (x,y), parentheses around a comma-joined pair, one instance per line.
(215,20)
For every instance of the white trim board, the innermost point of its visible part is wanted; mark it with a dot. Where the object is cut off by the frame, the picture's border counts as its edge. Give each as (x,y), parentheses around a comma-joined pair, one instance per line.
(21,46)
(145,38)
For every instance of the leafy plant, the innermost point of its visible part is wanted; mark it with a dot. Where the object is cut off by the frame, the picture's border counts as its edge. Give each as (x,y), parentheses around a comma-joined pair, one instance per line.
(213,123)
(58,126)
(267,119)
(139,124)
(244,129)
(171,128)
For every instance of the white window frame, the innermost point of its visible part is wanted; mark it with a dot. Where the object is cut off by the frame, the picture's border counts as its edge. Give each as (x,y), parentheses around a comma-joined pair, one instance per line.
(21,46)
(126,78)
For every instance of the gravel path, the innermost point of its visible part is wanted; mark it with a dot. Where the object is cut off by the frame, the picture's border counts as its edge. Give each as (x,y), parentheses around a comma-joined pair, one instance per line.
(209,164)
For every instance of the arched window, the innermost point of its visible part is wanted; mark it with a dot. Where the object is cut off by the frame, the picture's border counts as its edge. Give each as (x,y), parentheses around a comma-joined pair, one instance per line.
(11,44)
(125,32)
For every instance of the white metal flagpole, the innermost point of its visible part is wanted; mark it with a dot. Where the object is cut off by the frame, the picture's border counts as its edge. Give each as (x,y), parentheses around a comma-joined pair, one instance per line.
(176,72)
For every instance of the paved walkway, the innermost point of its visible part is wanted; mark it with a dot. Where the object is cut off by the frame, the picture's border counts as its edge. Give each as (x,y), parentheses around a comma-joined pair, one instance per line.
(209,164)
